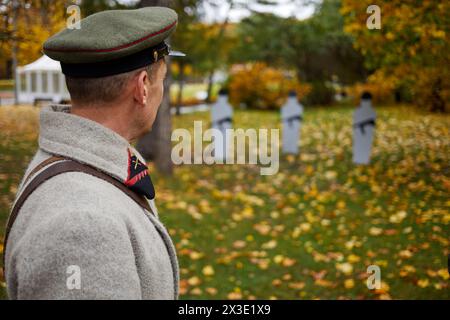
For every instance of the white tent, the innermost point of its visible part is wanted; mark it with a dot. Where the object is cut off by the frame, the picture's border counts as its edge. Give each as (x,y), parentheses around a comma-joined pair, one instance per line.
(41,80)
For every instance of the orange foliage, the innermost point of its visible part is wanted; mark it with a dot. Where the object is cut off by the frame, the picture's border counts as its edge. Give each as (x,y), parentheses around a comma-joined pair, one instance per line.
(34,27)
(379,85)
(258,86)
(411,47)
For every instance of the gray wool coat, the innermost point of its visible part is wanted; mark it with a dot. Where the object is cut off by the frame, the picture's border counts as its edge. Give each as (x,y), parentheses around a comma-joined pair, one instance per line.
(77,225)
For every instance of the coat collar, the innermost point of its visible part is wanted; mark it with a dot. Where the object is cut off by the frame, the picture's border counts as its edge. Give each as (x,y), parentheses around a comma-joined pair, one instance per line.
(84,140)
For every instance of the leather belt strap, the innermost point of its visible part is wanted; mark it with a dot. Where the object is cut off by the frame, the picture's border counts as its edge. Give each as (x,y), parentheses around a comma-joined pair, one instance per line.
(64,165)
(42,165)
(363,124)
(219,123)
(290,120)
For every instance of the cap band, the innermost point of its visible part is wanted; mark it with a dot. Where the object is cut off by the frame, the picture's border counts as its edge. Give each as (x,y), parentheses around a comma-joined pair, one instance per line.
(129,63)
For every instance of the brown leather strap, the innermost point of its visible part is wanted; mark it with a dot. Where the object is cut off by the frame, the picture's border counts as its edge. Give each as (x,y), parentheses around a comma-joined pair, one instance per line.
(59,168)
(42,165)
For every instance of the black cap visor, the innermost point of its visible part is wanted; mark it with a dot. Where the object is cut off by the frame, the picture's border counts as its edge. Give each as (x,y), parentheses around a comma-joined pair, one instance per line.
(129,63)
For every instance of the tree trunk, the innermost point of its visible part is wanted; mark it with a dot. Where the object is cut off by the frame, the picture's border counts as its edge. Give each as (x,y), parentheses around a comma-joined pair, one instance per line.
(15,5)
(216,48)
(156,145)
(437,102)
(181,86)
(210,87)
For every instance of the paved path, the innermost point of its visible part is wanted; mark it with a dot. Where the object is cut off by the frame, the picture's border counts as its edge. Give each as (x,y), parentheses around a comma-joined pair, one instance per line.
(8,101)
(191,109)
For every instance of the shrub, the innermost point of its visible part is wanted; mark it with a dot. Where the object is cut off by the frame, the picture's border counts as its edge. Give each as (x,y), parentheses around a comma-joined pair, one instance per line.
(257,86)
(382,89)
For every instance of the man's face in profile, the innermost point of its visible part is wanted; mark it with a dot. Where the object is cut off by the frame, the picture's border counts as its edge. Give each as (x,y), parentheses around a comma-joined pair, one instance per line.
(155,88)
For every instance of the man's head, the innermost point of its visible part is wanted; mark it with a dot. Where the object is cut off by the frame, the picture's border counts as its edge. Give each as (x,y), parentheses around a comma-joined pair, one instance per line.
(114,66)
(135,96)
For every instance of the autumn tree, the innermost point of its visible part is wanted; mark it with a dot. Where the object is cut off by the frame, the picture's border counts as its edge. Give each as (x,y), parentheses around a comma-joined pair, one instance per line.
(202,38)
(410,49)
(25,25)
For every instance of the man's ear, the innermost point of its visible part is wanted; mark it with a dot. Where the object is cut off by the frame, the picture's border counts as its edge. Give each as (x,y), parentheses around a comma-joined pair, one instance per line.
(141,90)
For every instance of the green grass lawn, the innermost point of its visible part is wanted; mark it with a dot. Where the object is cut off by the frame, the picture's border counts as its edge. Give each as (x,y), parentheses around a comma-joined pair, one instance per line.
(311,230)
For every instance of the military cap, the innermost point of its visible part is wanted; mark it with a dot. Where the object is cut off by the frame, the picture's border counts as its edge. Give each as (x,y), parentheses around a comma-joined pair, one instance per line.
(113,42)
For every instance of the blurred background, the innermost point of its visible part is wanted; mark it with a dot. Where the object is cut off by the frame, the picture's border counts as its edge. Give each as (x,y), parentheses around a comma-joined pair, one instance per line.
(311,231)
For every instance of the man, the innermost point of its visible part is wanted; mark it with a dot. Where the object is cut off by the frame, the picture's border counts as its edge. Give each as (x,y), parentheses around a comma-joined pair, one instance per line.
(86,231)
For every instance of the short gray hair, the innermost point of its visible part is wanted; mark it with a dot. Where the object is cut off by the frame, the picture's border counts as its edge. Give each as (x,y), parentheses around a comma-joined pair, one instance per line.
(103,90)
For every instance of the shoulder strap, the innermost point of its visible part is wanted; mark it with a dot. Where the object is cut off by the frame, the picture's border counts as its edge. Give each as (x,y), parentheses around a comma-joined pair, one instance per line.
(42,165)
(66,165)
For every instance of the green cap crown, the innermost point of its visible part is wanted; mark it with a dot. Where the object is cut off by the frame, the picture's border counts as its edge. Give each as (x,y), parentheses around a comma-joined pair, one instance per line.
(111,35)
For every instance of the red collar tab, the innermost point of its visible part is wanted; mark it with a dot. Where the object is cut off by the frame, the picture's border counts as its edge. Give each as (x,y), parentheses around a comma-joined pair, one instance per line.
(138,178)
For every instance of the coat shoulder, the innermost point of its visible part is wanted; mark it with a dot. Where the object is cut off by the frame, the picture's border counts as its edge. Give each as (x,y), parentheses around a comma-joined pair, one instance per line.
(70,220)
(83,192)
(75,202)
